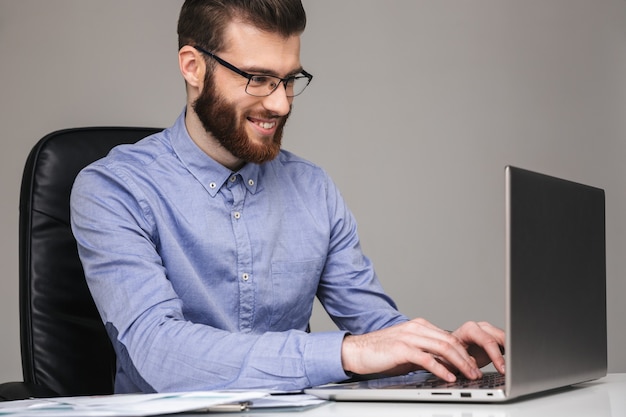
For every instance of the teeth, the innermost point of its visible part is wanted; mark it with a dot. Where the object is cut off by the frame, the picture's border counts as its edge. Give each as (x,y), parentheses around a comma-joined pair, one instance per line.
(267,125)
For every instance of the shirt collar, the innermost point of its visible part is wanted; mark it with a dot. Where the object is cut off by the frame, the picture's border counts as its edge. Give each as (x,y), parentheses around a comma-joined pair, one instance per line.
(250,175)
(211,174)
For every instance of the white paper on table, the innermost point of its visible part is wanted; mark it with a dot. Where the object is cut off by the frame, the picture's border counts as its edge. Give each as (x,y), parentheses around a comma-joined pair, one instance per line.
(129,405)
(286,400)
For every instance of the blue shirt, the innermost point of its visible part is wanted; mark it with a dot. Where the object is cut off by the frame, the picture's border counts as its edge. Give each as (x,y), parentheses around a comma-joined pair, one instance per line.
(205,278)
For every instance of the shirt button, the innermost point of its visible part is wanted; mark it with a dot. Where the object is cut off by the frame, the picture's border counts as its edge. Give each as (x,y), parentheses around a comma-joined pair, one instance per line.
(237,215)
(245,276)
(233,178)
(212,185)
(250,183)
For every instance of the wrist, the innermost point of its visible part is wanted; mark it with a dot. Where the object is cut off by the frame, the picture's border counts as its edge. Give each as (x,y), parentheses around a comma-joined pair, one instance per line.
(348,354)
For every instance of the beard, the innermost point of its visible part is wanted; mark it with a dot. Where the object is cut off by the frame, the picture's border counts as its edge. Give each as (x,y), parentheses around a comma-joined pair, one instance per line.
(219,118)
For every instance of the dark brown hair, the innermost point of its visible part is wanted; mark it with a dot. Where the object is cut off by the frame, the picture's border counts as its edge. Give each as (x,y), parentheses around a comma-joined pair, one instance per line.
(202,22)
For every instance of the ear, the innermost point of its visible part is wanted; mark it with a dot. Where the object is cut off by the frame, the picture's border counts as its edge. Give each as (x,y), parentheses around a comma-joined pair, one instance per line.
(192,66)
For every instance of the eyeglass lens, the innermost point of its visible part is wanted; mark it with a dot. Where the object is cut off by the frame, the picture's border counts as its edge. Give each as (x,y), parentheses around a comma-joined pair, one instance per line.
(264,85)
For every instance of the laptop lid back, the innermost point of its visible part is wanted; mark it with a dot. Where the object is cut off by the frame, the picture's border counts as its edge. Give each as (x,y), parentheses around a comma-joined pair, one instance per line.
(556,282)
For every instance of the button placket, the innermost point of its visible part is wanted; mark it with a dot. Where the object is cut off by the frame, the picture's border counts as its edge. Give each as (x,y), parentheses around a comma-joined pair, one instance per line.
(237,187)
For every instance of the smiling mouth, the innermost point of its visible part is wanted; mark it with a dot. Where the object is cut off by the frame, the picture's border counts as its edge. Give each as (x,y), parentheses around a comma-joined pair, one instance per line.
(263,124)
(267,125)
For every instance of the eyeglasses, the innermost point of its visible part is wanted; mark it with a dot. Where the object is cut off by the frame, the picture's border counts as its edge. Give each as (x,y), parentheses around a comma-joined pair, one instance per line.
(264,85)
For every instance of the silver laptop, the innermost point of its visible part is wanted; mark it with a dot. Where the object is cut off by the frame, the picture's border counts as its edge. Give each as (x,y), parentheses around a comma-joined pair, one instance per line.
(556,332)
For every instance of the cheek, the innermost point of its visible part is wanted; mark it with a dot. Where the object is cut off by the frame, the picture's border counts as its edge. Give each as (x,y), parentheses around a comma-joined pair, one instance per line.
(247,106)
(232,92)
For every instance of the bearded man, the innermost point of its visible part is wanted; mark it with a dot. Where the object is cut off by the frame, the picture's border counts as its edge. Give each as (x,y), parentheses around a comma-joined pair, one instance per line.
(205,245)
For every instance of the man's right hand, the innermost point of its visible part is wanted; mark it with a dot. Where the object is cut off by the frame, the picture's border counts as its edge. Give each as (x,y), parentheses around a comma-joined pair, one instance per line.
(418,344)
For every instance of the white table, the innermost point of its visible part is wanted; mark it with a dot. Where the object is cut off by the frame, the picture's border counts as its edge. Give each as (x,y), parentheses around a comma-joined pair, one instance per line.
(605,397)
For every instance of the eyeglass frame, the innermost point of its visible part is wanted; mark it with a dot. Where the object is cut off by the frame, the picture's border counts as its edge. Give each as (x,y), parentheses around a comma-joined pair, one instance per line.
(249,76)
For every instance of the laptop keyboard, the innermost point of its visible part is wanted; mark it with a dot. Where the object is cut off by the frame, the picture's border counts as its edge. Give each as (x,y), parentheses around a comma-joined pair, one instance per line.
(426,380)
(489,380)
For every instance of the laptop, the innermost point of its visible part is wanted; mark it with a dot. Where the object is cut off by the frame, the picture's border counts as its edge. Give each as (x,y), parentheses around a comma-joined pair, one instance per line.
(556,331)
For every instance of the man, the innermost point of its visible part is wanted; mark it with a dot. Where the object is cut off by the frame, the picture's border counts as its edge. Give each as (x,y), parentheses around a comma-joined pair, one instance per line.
(205,245)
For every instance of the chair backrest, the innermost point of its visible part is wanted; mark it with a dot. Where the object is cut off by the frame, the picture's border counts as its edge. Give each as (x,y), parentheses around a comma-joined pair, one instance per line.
(63,342)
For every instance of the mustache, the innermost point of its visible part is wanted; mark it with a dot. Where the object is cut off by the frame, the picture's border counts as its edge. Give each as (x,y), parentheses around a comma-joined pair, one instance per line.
(268,115)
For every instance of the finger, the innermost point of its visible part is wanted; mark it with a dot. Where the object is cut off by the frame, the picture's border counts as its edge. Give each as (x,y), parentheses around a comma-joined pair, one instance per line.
(430,363)
(489,339)
(447,350)
(494,347)
(495,332)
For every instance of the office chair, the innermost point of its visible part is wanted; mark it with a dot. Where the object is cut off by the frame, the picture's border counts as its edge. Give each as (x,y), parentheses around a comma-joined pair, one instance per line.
(64,347)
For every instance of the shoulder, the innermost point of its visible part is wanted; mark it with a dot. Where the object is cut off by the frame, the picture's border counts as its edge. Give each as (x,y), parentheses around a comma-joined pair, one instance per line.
(127,169)
(140,154)
(135,157)
(295,166)
(295,174)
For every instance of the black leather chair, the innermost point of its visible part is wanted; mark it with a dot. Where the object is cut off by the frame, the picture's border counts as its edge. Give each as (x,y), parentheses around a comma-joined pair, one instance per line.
(65,349)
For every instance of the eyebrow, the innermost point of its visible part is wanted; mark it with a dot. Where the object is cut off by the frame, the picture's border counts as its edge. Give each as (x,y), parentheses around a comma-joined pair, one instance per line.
(265,71)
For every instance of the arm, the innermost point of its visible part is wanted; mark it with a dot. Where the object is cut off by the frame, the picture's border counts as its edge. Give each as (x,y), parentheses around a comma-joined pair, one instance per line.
(383,341)
(349,288)
(158,348)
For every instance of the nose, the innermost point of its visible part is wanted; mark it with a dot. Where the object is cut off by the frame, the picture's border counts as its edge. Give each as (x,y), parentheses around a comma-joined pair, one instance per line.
(278,102)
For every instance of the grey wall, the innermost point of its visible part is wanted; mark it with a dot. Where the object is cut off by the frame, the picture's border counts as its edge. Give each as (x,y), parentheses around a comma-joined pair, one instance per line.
(415,108)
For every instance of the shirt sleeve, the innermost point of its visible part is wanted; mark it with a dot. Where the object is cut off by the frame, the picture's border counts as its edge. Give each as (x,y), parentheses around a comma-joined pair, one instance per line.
(157,348)
(349,288)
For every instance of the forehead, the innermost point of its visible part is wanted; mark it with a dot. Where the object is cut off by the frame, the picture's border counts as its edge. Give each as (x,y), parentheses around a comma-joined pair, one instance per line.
(251,47)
